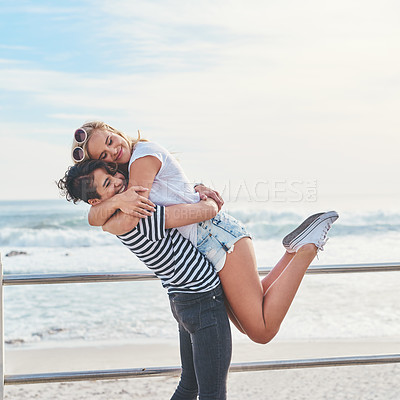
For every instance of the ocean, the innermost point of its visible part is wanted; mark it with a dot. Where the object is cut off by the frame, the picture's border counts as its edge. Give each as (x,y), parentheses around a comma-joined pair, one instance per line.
(55,237)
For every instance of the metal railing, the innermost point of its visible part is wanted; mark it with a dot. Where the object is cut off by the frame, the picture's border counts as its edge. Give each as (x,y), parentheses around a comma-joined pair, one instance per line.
(89,277)
(38,279)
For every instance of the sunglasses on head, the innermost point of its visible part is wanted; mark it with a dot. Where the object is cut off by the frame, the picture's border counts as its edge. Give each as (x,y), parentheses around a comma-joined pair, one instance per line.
(80,137)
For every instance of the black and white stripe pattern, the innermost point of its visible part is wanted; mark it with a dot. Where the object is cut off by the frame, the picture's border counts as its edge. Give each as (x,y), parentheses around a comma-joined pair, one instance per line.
(174,259)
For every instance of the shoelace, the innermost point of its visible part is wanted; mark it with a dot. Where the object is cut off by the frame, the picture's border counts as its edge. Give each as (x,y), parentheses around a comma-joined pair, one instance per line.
(322,242)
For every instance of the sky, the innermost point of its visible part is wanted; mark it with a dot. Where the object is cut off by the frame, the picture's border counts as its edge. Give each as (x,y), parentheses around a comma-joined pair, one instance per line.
(259,98)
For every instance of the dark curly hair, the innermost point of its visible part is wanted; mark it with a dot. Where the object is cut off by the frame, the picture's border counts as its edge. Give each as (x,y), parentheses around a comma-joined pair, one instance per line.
(78,182)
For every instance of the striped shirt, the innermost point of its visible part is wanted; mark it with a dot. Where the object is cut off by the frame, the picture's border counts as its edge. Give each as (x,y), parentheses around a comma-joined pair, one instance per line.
(174,259)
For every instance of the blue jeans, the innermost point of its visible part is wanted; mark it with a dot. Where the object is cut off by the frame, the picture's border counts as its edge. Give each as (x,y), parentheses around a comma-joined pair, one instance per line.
(205,344)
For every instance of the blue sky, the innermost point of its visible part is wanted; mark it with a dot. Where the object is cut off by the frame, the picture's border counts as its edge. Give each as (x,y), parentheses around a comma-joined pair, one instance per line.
(250,92)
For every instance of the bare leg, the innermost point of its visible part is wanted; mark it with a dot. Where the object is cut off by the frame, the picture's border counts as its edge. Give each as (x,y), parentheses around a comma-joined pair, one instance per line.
(233,318)
(280,294)
(277,270)
(260,315)
(266,283)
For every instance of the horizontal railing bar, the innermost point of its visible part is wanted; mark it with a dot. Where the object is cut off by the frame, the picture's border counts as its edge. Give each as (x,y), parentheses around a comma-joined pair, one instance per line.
(316,363)
(169,371)
(354,268)
(79,277)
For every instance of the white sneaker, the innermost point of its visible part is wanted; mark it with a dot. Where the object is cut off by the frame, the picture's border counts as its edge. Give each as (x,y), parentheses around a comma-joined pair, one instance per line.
(313,230)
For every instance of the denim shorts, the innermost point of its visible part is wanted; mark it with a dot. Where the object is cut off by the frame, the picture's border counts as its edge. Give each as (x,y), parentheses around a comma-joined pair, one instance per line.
(217,236)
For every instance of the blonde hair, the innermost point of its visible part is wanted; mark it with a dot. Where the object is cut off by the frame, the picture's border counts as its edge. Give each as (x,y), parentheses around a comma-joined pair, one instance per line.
(91,127)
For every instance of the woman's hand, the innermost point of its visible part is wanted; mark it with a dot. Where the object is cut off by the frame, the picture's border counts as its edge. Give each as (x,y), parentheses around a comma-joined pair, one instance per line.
(132,203)
(206,192)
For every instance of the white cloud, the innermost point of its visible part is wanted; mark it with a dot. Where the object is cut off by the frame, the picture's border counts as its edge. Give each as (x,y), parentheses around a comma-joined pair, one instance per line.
(256,17)
(75,117)
(283,89)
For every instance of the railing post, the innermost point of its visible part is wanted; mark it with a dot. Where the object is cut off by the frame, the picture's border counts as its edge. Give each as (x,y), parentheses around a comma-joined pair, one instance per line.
(1,333)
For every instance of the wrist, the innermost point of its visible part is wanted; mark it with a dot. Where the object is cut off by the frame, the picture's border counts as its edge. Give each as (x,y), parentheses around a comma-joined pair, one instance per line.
(116,201)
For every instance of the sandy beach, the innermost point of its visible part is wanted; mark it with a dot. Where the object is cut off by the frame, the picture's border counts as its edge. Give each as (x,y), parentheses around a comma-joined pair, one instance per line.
(351,382)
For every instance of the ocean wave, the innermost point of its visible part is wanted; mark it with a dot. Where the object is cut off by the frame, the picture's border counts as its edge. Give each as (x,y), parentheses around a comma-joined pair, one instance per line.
(55,221)
(287,217)
(59,230)
(267,224)
(50,237)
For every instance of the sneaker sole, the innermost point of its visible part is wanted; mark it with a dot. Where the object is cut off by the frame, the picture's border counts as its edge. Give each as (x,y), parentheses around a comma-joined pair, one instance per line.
(306,227)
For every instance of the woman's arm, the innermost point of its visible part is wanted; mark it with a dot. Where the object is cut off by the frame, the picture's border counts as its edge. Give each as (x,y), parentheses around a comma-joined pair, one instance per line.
(205,192)
(175,216)
(130,202)
(143,172)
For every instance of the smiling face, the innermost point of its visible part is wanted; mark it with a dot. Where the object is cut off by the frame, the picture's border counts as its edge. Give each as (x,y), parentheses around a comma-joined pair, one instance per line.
(107,185)
(107,146)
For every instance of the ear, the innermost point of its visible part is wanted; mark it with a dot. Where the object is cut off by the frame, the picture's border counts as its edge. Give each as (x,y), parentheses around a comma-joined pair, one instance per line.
(94,202)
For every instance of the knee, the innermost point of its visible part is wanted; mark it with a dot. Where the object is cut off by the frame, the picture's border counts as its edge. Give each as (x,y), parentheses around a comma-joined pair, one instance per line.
(262,340)
(264,337)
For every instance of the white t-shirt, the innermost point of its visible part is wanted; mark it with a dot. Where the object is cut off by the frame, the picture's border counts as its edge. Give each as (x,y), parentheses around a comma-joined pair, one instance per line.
(170,186)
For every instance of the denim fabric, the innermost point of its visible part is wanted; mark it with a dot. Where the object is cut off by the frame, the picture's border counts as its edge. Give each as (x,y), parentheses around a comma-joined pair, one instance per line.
(217,236)
(205,344)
